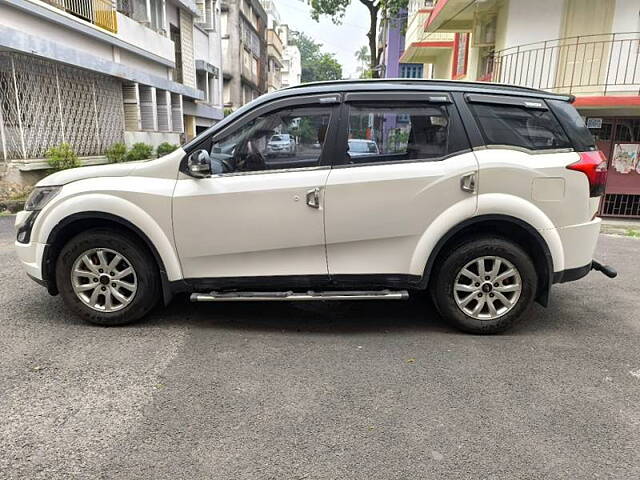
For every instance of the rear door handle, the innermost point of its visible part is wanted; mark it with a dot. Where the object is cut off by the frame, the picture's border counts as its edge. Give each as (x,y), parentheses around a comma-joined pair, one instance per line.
(468,182)
(313,198)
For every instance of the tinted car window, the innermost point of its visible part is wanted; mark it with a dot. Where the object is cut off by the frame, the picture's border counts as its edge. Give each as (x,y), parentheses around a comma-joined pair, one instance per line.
(573,124)
(519,126)
(396,131)
(289,138)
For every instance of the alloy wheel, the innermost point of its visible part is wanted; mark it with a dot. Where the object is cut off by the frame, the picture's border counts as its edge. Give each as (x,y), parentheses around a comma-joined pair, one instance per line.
(104,280)
(487,288)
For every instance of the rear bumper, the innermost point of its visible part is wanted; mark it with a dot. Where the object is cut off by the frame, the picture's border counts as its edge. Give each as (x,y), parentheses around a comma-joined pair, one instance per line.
(579,245)
(571,274)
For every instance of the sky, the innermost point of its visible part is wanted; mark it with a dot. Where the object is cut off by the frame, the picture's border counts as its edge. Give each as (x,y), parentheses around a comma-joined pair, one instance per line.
(342,40)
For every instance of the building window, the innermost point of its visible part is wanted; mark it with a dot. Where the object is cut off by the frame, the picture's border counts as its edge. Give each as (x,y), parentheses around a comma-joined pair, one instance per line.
(175,38)
(460,55)
(206,14)
(411,70)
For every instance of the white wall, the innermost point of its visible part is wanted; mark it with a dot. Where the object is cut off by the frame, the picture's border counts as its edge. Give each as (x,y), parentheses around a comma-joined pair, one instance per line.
(137,34)
(38,27)
(152,138)
(530,21)
(627,16)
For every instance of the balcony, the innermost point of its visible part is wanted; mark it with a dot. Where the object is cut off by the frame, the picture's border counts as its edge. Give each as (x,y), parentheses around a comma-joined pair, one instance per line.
(101,13)
(424,47)
(274,45)
(605,64)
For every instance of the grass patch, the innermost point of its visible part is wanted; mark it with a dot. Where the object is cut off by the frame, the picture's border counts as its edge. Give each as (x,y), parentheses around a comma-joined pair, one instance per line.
(632,233)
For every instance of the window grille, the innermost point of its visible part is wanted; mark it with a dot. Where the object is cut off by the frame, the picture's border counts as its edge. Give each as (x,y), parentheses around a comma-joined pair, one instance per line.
(411,70)
(44,103)
(148,116)
(163,106)
(621,205)
(176,113)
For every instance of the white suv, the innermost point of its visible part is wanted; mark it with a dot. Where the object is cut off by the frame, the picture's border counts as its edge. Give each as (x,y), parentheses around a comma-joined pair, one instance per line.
(484,195)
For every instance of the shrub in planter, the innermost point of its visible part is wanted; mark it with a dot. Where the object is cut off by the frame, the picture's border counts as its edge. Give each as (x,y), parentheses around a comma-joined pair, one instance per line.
(139,151)
(116,153)
(62,157)
(165,148)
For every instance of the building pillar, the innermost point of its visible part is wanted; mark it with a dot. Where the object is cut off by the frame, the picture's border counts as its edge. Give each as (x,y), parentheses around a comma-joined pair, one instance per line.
(189,127)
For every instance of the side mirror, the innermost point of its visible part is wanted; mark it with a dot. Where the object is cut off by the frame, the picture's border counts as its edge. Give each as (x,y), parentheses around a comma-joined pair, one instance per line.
(199,164)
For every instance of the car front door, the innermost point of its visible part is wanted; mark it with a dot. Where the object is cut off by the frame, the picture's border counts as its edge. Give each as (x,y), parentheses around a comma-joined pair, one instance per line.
(410,166)
(263,216)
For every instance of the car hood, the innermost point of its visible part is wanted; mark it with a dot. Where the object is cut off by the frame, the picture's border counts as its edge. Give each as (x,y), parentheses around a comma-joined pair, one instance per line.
(74,174)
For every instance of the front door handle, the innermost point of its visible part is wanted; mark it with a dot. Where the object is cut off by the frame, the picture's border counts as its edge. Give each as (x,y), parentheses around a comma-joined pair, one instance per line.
(313,198)
(468,182)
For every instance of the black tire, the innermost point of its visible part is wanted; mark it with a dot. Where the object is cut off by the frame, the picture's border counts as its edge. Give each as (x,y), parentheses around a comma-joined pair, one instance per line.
(442,285)
(143,263)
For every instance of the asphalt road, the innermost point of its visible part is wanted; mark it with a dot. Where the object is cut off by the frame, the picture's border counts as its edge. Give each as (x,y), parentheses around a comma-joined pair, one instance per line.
(363,391)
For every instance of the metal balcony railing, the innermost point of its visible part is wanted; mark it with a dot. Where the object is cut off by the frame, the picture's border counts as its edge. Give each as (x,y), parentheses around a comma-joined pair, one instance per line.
(589,64)
(101,13)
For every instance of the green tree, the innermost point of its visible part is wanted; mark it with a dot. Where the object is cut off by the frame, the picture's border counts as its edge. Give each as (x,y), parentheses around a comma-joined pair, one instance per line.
(316,66)
(364,59)
(335,10)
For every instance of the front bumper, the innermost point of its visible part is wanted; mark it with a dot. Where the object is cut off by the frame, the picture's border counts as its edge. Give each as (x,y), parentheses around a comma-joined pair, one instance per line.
(30,253)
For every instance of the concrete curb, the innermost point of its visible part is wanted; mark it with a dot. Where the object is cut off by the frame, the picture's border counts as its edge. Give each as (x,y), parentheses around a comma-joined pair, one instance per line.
(621,226)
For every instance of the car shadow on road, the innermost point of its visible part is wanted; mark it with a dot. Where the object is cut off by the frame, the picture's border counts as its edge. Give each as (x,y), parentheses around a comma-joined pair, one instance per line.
(413,315)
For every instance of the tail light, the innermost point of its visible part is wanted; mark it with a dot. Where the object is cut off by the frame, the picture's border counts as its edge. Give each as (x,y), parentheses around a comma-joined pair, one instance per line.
(594,166)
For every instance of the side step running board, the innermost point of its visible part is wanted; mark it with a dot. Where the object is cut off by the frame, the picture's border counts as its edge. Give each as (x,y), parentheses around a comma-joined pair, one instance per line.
(299,297)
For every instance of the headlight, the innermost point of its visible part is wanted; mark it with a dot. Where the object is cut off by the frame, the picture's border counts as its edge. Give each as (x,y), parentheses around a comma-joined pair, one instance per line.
(40,197)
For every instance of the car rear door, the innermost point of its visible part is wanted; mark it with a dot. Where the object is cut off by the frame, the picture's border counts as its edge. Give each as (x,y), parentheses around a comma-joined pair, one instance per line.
(379,208)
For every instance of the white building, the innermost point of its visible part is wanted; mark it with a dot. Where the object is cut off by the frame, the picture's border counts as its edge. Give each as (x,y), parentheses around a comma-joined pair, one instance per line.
(291,72)
(95,72)
(275,47)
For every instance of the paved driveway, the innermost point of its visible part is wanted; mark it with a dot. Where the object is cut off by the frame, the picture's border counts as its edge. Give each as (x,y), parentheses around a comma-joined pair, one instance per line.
(362,391)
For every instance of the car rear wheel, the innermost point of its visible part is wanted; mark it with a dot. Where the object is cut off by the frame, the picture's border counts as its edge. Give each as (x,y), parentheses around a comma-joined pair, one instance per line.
(485,285)
(107,277)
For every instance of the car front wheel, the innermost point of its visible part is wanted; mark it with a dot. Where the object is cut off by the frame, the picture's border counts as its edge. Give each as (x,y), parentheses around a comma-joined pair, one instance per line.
(107,277)
(485,285)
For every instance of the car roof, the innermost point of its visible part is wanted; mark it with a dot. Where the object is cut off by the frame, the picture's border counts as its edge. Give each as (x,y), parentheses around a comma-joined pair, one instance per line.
(381,85)
(361,140)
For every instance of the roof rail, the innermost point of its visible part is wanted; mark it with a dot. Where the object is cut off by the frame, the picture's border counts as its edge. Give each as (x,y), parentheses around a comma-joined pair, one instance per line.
(417,81)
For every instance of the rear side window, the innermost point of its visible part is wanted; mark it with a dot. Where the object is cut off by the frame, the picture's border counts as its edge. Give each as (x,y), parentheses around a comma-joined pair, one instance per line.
(574,125)
(519,126)
(388,132)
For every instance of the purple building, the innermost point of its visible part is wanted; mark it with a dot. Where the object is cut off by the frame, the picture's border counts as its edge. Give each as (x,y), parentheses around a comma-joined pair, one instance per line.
(392,44)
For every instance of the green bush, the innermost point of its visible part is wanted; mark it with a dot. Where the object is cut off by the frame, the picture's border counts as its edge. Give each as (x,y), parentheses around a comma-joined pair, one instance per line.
(62,157)
(116,153)
(165,148)
(139,151)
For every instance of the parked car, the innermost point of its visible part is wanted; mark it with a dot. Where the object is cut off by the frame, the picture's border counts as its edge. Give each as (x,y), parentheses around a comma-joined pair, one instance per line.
(281,144)
(362,148)
(490,200)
